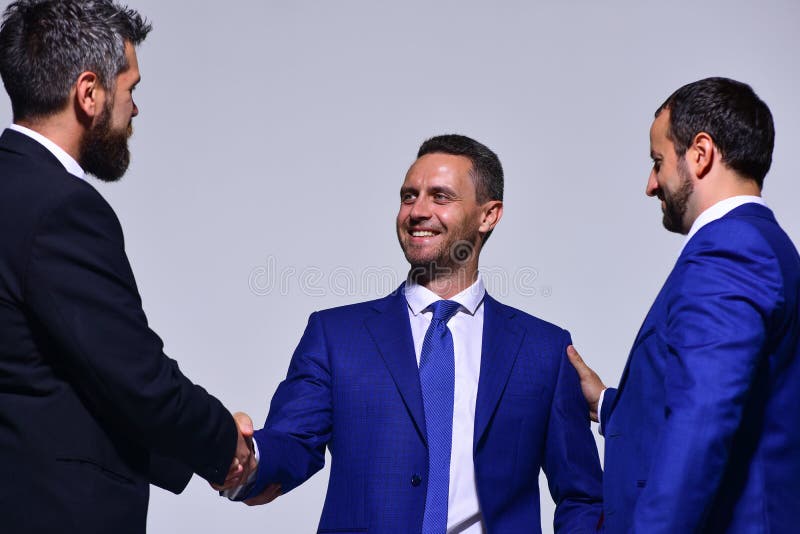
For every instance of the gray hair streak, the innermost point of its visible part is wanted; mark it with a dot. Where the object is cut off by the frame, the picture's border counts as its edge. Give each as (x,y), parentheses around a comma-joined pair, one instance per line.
(46,44)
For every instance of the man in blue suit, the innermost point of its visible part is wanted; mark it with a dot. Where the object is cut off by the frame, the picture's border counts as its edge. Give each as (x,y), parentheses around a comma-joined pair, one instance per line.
(418,446)
(701,434)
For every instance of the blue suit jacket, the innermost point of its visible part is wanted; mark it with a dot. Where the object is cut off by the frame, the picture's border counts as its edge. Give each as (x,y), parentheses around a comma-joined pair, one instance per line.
(702,434)
(353,386)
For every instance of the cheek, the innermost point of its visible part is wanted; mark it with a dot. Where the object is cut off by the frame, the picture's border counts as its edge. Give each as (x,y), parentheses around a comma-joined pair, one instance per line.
(124,108)
(447,216)
(402,214)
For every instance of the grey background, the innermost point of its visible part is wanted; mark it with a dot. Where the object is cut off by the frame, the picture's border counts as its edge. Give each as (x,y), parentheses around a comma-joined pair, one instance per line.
(273,138)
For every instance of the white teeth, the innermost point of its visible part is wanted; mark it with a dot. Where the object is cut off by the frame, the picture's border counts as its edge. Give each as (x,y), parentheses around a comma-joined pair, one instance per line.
(422,234)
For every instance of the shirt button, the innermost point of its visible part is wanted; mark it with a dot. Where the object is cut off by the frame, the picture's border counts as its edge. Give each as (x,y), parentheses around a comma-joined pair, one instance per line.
(416,480)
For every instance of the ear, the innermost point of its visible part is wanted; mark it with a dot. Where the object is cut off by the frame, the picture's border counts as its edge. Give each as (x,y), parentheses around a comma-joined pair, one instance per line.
(491,211)
(89,96)
(701,154)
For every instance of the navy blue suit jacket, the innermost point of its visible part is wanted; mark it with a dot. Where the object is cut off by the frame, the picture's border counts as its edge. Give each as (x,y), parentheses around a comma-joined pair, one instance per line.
(91,410)
(702,434)
(353,386)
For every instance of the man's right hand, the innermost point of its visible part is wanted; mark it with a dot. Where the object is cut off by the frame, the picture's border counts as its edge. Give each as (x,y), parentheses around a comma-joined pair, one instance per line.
(591,385)
(244,461)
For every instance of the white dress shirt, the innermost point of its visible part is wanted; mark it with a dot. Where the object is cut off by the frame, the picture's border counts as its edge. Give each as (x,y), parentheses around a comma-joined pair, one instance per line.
(61,155)
(466,326)
(711,214)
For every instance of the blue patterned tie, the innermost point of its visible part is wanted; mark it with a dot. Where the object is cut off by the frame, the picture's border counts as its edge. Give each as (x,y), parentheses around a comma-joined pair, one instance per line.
(437,376)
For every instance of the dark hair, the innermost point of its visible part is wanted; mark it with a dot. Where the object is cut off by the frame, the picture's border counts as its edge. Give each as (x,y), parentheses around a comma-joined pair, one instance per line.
(46,44)
(730,112)
(486,173)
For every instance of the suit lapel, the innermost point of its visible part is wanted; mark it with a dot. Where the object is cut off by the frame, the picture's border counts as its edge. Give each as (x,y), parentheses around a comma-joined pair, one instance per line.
(391,332)
(649,328)
(500,346)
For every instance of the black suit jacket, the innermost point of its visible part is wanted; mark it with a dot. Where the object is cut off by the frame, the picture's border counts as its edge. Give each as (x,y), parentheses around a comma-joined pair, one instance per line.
(91,410)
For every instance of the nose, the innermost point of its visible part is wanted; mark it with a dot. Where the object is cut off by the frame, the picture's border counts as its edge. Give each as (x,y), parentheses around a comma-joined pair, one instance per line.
(652,185)
(420,209)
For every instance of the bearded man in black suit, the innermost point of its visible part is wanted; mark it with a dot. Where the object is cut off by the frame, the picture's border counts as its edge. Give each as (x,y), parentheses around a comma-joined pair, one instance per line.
(91,409)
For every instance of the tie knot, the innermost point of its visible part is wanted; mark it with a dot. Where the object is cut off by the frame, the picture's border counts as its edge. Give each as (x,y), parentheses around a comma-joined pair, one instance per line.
(443,310)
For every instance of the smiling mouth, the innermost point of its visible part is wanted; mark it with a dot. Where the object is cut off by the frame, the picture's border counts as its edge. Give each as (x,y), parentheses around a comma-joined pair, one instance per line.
(423,233)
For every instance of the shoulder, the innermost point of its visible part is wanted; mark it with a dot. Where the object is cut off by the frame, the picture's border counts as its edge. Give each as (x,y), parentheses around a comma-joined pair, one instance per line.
(518,318)
(361,310)
(745,231)
(733,246)
(731,259)
(35,187)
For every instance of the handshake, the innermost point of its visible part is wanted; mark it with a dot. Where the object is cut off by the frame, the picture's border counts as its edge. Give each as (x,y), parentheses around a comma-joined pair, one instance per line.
(244,466)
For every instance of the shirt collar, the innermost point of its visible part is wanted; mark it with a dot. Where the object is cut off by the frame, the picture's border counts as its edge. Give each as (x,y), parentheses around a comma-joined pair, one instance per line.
(419,297)
(719,210)
(61,155)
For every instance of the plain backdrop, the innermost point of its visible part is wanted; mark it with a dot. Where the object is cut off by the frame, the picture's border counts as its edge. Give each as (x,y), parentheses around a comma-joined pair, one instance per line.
(273,137)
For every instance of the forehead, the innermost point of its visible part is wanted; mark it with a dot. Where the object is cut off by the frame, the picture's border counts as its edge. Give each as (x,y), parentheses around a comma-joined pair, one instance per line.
(439,167)
(660,128)
(132,72)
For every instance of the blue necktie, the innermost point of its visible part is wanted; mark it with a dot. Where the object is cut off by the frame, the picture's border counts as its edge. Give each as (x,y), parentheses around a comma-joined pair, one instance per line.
(437,377)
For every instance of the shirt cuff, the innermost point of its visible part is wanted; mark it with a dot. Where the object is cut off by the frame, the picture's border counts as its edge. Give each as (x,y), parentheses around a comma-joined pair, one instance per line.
(600,407)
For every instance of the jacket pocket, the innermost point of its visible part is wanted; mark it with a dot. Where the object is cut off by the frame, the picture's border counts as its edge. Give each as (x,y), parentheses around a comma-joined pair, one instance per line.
(88,464)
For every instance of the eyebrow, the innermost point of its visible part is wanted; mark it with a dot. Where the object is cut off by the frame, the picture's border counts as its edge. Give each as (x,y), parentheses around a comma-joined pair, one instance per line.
(654,154)
(443,189)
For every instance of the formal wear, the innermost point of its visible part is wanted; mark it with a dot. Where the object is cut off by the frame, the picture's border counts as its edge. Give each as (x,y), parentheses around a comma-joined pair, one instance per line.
(701,434)
(91,410)
(354,387)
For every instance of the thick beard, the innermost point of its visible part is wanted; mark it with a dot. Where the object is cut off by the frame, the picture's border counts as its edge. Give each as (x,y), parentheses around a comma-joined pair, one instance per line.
(676,204)
(104,152)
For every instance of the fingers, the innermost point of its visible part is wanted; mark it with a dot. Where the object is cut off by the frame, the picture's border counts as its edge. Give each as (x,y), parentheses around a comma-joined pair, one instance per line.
(244,423)
(268,495)
(591,385)
(245,451)
(235,477)
(244,461)
(578,363)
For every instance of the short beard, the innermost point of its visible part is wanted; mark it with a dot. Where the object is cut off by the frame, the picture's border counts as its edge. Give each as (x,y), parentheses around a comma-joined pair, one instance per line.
(676,204)
(104,152)
(424,271)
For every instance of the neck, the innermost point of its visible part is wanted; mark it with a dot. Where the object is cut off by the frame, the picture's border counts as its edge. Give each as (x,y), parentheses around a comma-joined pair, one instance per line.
(730,185)
(444,282)
(66,134)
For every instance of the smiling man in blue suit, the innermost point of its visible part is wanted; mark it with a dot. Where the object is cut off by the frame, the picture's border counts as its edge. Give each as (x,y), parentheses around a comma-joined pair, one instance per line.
(439,404)
(701,435)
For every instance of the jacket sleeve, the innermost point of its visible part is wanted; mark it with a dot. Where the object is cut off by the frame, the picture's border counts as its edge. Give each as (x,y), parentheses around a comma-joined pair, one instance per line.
(292,443)
(168,474)
(718,319)
(571,463)
(80,289)
(605,410)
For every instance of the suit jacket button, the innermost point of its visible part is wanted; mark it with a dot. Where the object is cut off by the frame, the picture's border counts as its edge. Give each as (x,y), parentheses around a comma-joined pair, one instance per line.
(416,480)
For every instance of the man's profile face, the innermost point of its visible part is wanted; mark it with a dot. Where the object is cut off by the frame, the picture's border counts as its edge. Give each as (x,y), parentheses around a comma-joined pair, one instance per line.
(439,216)
(104,149)
(669,179)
